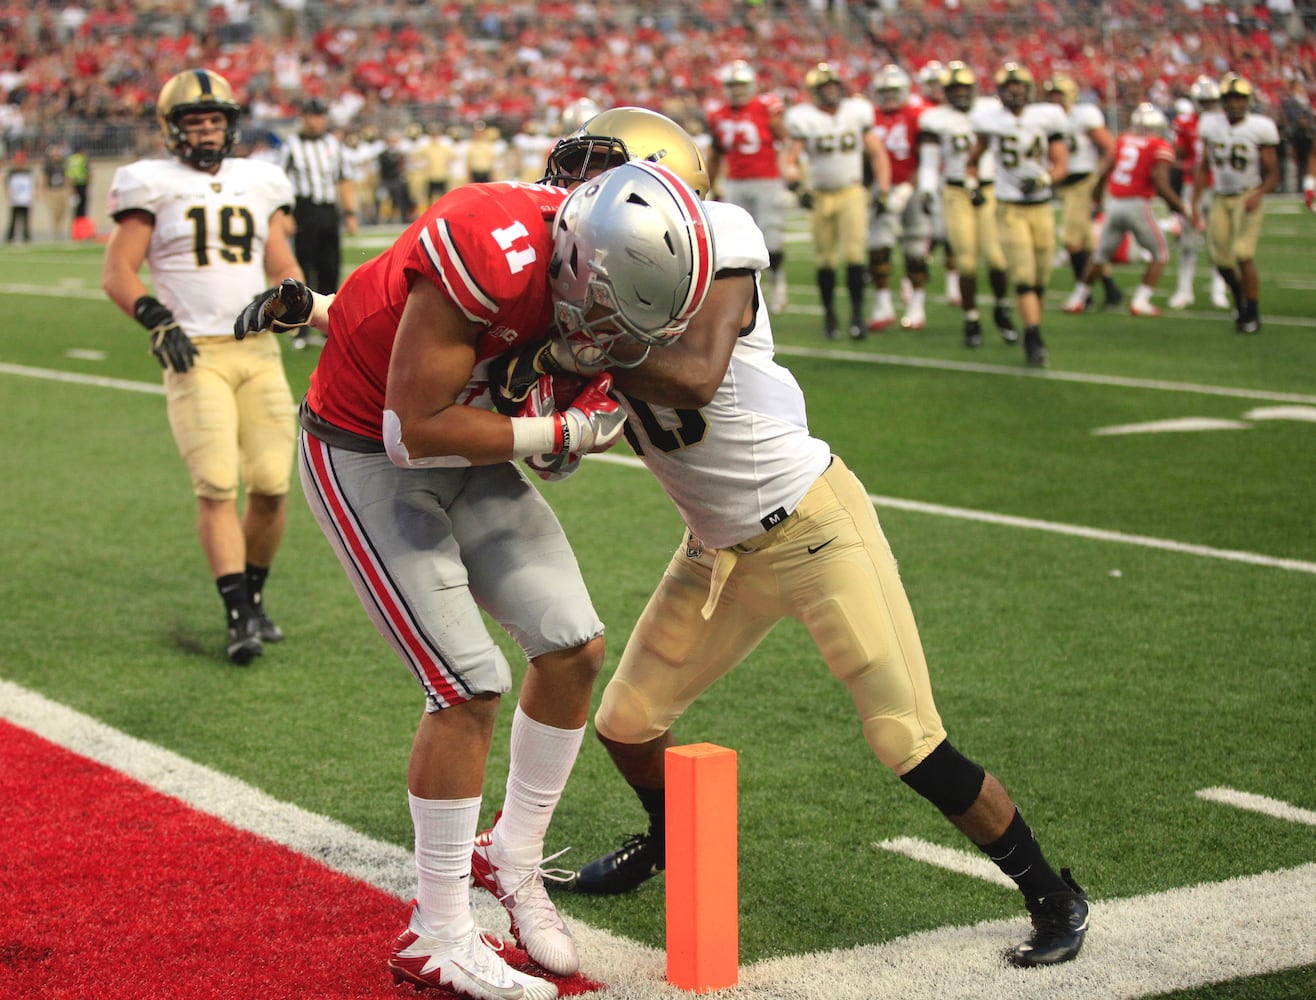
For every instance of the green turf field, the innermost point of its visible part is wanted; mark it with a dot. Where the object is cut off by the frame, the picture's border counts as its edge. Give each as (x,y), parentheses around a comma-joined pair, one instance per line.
(1114,621)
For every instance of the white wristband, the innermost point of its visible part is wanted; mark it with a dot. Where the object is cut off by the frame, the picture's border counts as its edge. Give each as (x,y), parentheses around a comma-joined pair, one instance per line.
(319,318)
(534,436)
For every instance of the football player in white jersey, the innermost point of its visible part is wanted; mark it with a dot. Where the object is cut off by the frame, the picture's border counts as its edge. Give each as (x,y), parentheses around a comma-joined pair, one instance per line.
(827,139)
(213,230)
(1240,150)
(1090,142)
(777,527)
(969,203)
(1028,143)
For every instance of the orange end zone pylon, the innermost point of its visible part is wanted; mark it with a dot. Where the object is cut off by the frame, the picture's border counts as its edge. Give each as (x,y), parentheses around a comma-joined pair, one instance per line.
(703,918)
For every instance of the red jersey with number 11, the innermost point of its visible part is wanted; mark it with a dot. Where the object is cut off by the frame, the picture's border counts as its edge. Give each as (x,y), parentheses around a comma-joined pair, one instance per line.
(486,247)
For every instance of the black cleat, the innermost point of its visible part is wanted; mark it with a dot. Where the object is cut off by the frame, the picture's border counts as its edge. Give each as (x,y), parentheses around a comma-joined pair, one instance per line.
(1114,300)
(268,631)
(638,859)
(1035,352)
(972,333)
(1001,317)
(244,643)
(831,326)
(1250,325)
(1060,920)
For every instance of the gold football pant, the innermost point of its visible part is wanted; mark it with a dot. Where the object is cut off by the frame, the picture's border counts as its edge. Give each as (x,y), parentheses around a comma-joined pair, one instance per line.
(827,565)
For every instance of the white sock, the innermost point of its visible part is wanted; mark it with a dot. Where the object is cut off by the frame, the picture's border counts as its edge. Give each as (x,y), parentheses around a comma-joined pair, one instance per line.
(884,299)
(917,298)
(1143,295)
(542,758)
(445,837)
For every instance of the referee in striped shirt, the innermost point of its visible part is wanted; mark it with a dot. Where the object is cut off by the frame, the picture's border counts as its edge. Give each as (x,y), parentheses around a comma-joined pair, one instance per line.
(322,181)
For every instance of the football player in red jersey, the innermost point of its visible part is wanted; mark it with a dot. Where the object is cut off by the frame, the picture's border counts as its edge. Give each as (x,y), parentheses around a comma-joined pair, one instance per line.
(747,129)
(1137,169)
(905,217)
(410,474)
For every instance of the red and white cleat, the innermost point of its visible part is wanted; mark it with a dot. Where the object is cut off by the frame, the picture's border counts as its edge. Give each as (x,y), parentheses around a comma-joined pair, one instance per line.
(536,924)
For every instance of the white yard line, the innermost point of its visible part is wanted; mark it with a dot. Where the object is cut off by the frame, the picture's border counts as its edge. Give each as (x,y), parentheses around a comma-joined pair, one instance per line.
(1186,937)
(1258,804)
(896,503)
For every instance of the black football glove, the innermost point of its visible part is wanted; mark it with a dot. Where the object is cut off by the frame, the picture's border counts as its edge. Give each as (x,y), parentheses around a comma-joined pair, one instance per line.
(802,195)
(170,345)
(513,374)
(879,203)
(1030,186)
(976,197)
(282,307)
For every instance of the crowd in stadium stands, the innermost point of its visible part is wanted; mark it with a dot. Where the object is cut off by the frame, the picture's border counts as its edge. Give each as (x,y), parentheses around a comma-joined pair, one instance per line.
(87,71)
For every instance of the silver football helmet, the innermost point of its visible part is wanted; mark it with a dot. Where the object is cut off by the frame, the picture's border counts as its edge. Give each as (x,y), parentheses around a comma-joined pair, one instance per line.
(632,261)
(576,114)
(1147,119)
(1205,93)
(891,87)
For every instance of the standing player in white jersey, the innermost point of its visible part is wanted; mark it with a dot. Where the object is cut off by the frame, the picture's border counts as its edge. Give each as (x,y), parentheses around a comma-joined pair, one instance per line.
(1089,141)
(213,231)
(827,137)
(968,203)
(1027,141)
(1240,149)
(778,527)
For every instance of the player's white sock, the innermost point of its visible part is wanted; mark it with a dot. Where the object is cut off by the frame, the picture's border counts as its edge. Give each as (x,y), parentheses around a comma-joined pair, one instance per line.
(445,836)
(542,758)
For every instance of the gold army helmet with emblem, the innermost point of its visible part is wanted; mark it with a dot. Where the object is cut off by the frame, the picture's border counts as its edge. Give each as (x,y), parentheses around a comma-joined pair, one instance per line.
(197,91)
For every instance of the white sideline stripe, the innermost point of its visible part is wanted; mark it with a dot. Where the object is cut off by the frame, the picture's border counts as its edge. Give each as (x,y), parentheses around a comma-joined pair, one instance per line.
(1087,378)
(952,860)
(918,506)
(1143,945)
(51,291)
(1258,804)
(1054,527)
(77,378)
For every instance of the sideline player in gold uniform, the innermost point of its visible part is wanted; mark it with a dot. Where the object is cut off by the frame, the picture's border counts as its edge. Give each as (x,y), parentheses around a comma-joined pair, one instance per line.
(1240,149)
(1027,141)
(213,230)
(778,527)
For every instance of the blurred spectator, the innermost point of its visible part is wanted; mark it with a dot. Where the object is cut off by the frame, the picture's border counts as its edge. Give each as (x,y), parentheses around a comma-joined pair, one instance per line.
(1297,124)
(21,187)
(55,185)
(78,171)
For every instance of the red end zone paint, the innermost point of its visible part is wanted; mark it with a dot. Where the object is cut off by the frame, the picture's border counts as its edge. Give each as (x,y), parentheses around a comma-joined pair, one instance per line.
(108,888)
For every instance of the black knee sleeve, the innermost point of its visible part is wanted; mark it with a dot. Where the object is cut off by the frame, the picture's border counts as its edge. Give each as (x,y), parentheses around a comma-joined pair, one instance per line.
(1022,289)
(947,779)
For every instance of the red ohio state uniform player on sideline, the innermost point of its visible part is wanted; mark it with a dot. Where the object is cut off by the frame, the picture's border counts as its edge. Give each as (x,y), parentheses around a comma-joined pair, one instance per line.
(1137,170)
(903,217)
(746,131)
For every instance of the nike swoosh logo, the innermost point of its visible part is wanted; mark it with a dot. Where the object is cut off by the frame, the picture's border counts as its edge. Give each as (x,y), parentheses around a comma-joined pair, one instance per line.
(513,992)
(815,549)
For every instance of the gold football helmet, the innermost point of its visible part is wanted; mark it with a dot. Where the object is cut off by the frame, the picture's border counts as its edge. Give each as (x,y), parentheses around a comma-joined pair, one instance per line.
(818,78)
(190,92)
(959,85)
(622,134)
(1014,85)
(1062,90)
(1234,86)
